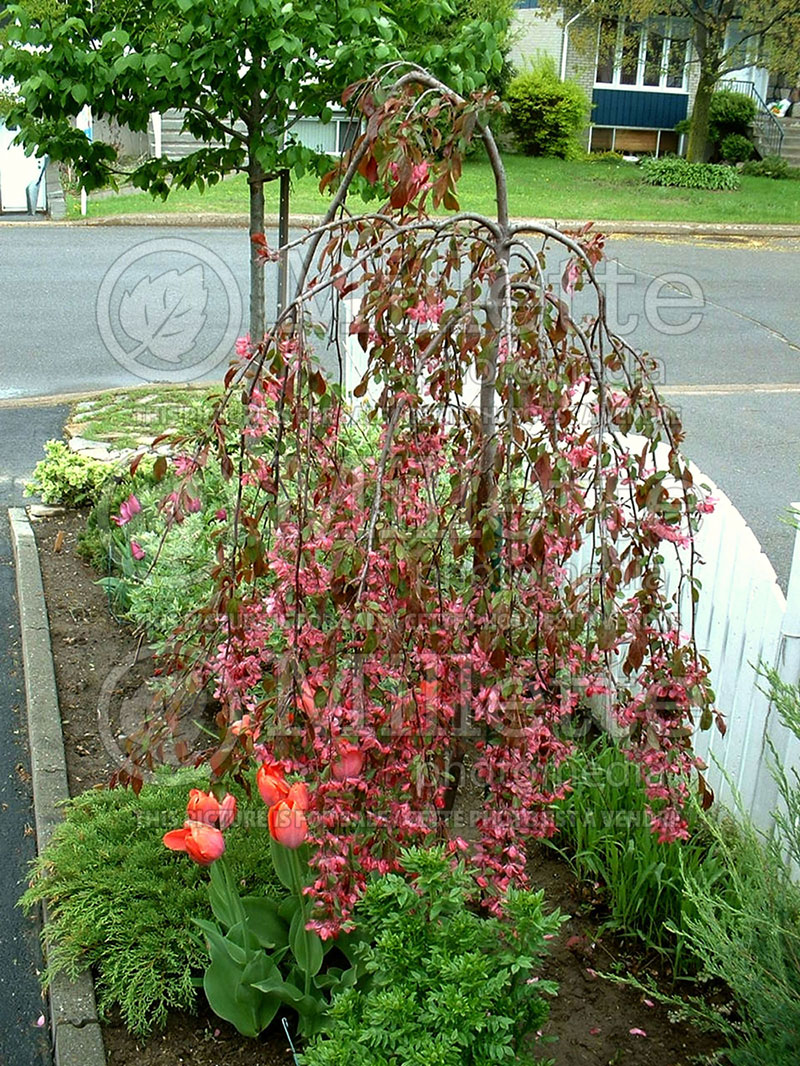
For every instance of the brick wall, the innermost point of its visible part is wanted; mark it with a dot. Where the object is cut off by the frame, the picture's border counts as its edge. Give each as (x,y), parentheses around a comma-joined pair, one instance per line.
(535,34)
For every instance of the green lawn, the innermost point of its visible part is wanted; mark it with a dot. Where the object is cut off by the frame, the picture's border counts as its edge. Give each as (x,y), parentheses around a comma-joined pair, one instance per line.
(539,188)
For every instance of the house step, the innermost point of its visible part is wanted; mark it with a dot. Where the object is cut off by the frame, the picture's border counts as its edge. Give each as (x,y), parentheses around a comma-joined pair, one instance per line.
(763,135)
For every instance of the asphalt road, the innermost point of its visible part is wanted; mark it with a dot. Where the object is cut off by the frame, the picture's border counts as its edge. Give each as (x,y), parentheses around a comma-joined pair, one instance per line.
(730,347)
(22,1041)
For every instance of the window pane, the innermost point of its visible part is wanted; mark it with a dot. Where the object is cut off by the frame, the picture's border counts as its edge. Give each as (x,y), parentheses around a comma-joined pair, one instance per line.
(605,52)
(735,47)
(653,62)
(676,64)
(629,65)
(679,32)
(348,131)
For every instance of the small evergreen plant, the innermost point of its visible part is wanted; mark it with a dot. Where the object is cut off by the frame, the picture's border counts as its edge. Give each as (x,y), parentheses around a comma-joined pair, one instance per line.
(119,901)
(448,986)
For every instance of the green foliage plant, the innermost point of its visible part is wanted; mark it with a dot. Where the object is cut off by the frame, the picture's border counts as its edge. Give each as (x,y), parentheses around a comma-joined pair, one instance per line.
(771,166)
(736,148)
(604,834)
(263,958)
(605,157)
(679,173)
(545,114)
(730,112)
(66,477)
(119,902)
(448,987)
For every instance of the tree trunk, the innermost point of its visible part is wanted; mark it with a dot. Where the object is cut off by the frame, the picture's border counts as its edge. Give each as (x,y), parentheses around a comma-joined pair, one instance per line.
(699,149)
(283,240)
(256,180)
(709,46)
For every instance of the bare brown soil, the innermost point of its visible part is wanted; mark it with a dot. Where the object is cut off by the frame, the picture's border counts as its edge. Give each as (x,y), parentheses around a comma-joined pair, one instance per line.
(597,1023)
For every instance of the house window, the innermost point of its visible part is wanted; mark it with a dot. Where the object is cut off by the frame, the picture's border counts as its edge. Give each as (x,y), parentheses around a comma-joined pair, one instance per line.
(652,55)
(347,134)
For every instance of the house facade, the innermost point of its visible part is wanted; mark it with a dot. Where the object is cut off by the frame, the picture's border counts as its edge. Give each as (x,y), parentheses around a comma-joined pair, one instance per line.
(641,77)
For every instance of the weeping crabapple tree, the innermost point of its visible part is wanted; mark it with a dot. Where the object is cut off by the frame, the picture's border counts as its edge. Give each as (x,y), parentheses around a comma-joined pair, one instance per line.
(397,589)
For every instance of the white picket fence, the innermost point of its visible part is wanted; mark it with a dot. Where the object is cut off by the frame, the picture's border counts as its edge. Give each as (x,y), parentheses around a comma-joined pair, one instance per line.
(743,620)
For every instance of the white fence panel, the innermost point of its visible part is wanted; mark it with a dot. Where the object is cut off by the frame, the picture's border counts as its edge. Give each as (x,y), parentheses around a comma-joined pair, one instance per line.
(739,624)
(742,621)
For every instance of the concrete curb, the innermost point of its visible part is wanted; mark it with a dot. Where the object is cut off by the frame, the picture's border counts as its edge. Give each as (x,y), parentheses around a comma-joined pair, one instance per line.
(631,228)
(76,1035)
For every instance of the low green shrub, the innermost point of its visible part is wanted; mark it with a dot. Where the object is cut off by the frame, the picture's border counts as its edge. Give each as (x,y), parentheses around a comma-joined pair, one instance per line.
(120,902)
(546,114)
(679,173)
(771,166)
(65,477)
(605,836)
(730,112)
(736,148)
(448,987)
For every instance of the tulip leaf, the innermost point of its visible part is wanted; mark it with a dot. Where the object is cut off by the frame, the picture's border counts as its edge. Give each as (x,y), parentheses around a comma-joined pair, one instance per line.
(283,861)
(223,897)
(234,998)
(306,945)
(264,921)
(220,944)
(285,990)
(288,907)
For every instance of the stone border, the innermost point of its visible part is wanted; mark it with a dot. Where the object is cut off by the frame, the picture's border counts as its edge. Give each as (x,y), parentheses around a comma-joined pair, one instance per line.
(76,1035)
(621,227)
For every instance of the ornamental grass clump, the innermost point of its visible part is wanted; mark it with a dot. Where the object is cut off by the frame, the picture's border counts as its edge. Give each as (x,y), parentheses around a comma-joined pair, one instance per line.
(638,882)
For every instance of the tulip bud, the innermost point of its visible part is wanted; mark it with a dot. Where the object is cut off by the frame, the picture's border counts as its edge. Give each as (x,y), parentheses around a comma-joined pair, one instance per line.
(287,824)
(202,843)
(271,782)
(202,807)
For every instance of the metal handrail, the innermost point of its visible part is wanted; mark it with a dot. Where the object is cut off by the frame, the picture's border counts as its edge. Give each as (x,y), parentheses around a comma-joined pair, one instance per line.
(772,136)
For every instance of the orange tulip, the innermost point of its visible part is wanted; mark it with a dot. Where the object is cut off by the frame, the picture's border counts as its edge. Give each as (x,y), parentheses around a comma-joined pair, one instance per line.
(202,843)
(298,796)
(271,781)
(227,810)
(202,807)
(287,823)
(205,807)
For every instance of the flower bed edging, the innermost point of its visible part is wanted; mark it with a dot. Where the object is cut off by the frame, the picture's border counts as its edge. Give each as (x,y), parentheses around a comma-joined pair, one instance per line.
(77,1040)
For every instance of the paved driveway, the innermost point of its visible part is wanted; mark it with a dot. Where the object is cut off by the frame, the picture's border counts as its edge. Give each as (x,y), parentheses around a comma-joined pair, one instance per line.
(730,345)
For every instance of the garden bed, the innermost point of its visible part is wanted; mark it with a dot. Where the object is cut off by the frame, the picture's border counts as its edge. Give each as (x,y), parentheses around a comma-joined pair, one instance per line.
(597,1022)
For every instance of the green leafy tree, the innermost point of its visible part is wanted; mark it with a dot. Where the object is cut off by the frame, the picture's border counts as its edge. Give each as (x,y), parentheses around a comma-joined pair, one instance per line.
(243,70)
(493,66)
(726,35)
